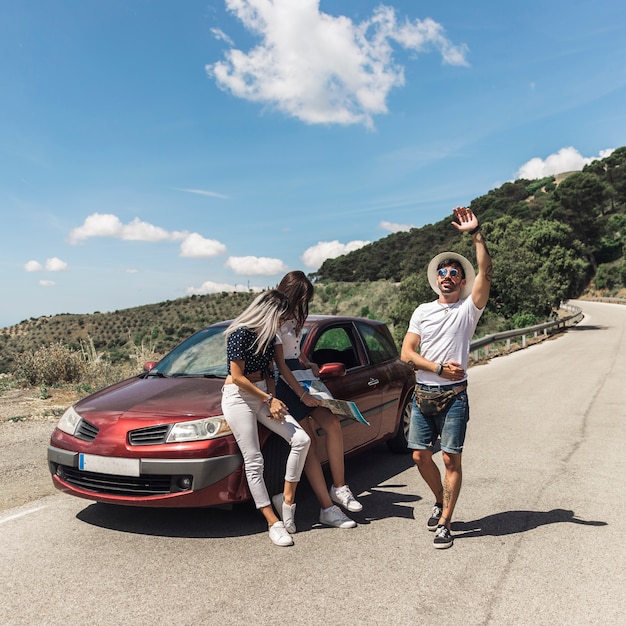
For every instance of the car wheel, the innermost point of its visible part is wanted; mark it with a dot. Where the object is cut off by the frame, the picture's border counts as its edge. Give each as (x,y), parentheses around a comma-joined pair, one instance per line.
(275,453)
(399,442)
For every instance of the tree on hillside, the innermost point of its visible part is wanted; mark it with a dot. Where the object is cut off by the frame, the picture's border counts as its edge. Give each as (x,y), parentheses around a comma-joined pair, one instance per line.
(535,267)
(579,201)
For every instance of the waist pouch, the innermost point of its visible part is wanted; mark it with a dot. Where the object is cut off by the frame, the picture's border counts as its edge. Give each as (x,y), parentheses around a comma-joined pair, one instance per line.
(435,402)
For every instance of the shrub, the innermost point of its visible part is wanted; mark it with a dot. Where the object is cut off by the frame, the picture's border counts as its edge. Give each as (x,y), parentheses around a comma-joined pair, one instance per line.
(605,277)
(49,365)
(523,320)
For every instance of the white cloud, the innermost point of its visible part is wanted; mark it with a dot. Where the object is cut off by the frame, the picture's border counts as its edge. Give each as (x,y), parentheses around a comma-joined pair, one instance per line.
(108,225)
(47,283)
(131,270)
(220,35)
(52,265)
(395,228)
(565,160)
(323,69)
(212,287)
(204,192)
(33,266)
(197,247)
(55,265)
(256,266)
(314,256)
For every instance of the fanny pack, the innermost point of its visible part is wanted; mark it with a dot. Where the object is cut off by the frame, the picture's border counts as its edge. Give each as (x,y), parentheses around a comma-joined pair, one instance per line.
(435,402)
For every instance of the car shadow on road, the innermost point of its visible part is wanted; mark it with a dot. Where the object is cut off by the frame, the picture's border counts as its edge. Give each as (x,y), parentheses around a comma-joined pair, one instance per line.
(368,474)
(512,522)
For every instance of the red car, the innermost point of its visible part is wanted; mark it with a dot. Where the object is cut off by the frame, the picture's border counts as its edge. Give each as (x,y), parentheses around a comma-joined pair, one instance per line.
(160,439)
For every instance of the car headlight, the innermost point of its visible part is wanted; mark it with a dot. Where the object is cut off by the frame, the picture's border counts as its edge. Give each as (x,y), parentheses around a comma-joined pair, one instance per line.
(69,421)
(198,430)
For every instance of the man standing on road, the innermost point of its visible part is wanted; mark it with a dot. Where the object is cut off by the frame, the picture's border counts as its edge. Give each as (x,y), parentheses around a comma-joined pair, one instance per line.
(442,331)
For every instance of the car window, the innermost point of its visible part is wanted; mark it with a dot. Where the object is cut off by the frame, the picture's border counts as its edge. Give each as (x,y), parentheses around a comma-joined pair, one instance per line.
(335,345)
(380,345)
(203,354)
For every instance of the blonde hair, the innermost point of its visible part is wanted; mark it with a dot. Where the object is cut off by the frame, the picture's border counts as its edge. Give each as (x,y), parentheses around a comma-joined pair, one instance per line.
(263,316)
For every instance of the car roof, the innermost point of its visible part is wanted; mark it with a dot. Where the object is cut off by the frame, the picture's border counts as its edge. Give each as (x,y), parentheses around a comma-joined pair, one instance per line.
(318,318)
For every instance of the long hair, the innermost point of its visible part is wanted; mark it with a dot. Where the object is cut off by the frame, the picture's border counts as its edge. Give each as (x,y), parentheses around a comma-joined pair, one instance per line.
(263,316)
(299,290)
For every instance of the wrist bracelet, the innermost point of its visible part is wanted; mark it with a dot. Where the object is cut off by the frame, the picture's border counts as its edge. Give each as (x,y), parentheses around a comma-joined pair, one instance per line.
(474,230)
(302,396)
(439,369)
(268,400)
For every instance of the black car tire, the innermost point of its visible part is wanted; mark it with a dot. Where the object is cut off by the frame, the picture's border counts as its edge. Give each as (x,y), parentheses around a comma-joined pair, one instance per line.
(399,442)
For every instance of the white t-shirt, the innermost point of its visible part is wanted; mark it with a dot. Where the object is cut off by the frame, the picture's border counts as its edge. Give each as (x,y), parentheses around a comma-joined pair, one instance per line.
(445,332)
(289,339)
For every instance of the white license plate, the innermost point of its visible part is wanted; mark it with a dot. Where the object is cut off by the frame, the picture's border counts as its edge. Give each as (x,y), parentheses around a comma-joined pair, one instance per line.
(108,465)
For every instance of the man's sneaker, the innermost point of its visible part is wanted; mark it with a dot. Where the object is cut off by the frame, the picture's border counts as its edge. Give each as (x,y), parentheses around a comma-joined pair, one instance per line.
(344,496)
(286,512)
(435,516)
(443,538)
(279,535)
(334,516)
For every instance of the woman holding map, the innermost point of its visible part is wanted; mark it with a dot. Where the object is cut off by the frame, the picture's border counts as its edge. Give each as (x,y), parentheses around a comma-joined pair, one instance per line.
(305,408)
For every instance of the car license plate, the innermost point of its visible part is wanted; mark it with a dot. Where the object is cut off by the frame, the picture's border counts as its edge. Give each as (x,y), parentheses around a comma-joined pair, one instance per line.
(108,465)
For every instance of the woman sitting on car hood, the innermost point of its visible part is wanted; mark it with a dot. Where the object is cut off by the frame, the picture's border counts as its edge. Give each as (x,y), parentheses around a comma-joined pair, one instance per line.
(248,398)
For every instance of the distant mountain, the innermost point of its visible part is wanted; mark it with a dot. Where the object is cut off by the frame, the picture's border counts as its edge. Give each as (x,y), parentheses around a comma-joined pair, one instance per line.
(585,201)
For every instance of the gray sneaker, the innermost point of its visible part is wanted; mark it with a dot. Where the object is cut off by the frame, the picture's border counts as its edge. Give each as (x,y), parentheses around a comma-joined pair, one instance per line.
(443,538)
(435,516)
(334,516)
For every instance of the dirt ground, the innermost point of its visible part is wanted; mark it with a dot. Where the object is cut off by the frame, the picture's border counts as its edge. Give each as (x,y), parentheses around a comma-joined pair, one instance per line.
(26,422)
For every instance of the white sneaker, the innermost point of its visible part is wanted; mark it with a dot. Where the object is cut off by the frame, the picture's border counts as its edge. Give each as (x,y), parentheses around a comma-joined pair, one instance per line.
(286,512)
(334,516)
(279,535)
(344,496)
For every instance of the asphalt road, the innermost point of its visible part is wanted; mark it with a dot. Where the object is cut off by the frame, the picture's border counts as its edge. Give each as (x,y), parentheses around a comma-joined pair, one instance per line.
(539,532)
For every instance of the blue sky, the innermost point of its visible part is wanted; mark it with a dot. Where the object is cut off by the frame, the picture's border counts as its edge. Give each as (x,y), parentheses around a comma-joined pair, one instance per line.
(151,149)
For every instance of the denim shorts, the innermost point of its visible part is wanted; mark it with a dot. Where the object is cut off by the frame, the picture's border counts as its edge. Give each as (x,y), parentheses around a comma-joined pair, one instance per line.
(450,426)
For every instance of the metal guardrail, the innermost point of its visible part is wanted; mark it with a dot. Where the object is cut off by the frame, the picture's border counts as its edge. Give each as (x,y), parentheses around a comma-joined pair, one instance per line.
(611,300)
(546,328)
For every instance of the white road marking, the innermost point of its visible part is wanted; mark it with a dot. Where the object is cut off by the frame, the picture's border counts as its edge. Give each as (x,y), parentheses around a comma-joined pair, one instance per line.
(10,518)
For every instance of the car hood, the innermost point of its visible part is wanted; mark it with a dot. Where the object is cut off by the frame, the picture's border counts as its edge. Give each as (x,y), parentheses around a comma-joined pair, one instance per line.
(153,396)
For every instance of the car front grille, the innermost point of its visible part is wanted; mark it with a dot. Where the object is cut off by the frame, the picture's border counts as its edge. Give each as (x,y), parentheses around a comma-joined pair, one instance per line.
(149,436)
(147,485)
(86,431)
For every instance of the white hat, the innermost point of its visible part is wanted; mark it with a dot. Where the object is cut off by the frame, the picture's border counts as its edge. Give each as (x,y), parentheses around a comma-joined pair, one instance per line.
(468,269)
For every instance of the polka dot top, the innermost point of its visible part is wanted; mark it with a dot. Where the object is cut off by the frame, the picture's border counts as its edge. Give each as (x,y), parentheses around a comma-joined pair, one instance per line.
(241,347)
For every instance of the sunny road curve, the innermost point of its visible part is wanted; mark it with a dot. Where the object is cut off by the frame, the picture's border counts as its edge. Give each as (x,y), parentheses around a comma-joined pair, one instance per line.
(539,534)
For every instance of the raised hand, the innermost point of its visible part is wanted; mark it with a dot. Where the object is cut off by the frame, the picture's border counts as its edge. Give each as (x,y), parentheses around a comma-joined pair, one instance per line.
(466,220)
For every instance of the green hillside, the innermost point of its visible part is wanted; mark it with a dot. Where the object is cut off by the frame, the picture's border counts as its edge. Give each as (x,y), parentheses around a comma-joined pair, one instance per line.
(550,239)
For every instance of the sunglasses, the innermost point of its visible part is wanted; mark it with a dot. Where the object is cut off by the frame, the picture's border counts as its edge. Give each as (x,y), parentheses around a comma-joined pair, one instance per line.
(443,272)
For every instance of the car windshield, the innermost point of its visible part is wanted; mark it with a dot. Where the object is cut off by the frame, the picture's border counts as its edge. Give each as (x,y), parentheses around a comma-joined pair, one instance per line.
(203,354)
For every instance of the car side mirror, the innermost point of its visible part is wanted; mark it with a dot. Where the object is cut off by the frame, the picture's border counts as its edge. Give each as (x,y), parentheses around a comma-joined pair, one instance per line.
(332,370)
(148,365)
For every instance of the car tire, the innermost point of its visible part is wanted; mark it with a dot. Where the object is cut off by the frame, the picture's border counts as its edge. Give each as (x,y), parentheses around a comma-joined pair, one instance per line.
(399,442)
(275,453)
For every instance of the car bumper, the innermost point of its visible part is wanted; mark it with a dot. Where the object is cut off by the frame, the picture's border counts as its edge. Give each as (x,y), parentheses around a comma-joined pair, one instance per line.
(161,482)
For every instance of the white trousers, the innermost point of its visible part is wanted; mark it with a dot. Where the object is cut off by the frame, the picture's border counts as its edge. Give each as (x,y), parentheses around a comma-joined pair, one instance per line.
(242,411)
